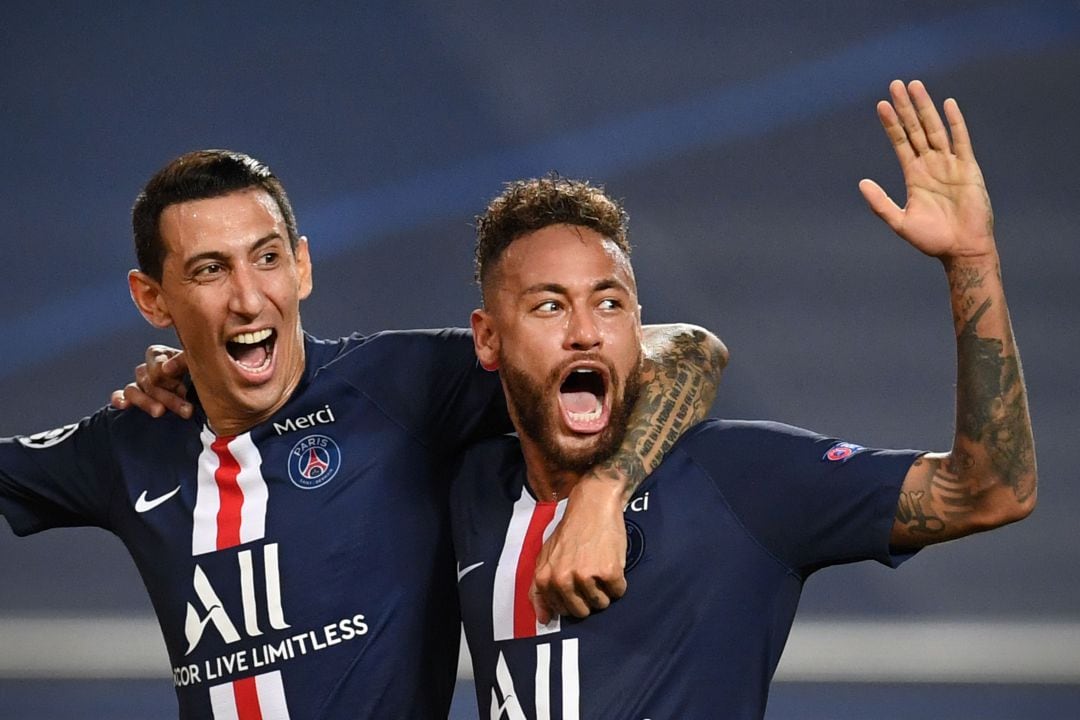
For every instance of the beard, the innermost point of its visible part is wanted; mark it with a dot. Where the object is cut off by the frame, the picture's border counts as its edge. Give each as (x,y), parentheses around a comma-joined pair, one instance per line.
(531,403)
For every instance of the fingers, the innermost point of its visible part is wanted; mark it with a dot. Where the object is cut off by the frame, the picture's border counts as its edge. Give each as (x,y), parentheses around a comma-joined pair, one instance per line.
(165,363)
(961,141)
(571,596)
(909,117)
(929,120)
(117,400)
(913,124)
(133,396)
(159,386)
(894,130)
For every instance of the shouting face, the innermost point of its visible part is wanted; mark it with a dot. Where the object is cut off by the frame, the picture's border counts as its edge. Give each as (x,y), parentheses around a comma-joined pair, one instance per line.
(231,287)
(564,328)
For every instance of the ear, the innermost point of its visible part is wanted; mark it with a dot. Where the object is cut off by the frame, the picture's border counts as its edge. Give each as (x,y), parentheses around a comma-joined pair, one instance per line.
(485,339)
(147,295)
(303,267)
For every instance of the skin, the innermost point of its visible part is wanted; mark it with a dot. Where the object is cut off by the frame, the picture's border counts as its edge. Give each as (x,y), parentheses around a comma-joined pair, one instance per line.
(561,298)
(229,270)
(988,478)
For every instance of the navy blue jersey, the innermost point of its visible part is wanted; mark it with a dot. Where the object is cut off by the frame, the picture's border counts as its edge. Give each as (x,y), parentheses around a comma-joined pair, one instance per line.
(302,569)
(721,538)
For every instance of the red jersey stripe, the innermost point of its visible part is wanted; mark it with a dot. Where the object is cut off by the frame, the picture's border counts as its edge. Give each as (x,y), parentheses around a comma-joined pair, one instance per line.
(232,498)
(524,614)
(247,699)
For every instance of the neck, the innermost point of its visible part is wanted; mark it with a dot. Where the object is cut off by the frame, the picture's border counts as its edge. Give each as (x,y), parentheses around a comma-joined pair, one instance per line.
(233,418)
(548,484)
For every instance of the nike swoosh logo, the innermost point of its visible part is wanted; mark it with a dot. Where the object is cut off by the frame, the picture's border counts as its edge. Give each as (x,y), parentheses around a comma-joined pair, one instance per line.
(462,572)
(143,505)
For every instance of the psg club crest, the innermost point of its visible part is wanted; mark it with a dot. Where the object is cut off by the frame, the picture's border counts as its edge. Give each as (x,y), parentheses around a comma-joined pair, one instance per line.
(635,544)
(314,461)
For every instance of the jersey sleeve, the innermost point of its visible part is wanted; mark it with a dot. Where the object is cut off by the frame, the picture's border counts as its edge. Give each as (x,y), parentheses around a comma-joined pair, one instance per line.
(431,382)
(59,478)
(810,500)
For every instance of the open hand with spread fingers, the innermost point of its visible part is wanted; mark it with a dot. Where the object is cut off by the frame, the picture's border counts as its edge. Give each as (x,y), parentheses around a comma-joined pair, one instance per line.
(947,214)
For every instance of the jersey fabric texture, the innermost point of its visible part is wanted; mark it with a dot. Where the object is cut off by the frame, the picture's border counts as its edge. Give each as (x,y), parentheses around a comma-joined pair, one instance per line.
(302,569)
(720,537)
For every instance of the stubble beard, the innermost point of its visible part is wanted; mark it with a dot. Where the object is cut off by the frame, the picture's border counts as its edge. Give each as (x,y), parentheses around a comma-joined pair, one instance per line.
(532,404)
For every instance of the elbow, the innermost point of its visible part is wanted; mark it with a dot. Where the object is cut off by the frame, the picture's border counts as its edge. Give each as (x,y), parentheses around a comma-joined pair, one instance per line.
(712,353)
(1012,503)
(1025,491)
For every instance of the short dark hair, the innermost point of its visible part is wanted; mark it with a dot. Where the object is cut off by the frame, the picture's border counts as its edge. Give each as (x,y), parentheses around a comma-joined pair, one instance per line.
(525,206)
(199,175)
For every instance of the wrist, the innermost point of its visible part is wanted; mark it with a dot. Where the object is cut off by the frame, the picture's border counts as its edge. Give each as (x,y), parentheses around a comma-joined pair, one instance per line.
(599,491)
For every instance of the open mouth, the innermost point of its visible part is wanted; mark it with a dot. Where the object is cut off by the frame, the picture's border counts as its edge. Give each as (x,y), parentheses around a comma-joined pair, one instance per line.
(252,351)
(583,397)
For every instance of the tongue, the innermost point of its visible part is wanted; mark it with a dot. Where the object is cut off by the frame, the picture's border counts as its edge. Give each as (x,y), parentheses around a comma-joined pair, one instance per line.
(580,402)
(251,356)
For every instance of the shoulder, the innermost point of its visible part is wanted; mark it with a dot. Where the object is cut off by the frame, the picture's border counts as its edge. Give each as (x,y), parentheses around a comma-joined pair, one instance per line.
(491,455)
(745,437)
(400,346)
(482,466)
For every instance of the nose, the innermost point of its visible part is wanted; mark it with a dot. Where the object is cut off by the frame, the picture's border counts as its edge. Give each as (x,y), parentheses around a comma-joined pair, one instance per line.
(582,332)
(246,299)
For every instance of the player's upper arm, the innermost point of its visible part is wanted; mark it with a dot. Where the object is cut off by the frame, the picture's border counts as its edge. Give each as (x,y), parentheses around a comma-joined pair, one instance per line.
(57,478)
(430,382)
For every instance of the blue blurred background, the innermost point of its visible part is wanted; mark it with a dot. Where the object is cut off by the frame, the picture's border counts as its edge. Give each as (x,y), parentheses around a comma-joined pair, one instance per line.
(735,133)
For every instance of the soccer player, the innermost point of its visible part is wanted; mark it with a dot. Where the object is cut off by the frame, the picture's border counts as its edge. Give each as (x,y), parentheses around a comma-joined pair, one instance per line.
(723,534)
(292,530)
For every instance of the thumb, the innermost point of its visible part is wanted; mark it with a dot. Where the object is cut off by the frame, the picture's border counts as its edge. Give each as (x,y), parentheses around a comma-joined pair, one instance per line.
(881,204)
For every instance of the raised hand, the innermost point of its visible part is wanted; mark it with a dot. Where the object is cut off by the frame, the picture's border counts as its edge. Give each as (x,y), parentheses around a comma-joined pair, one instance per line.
(947,214)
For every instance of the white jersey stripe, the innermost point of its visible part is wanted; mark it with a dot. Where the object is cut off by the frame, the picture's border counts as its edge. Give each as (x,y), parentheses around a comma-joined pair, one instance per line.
(571,690)
(502,600)
(207,500)
(543,681)
(271,696)
(253,486)
(223,702)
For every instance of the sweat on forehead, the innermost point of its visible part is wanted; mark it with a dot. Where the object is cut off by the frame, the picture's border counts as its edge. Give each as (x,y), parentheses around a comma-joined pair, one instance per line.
(525,206)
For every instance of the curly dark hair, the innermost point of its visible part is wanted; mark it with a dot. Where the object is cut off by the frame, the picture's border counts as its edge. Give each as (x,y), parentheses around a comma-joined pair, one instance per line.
(199,175)
(528,205)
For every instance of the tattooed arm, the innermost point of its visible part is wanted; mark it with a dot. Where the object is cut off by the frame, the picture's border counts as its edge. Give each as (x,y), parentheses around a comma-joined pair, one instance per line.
(988,479)
(683,365)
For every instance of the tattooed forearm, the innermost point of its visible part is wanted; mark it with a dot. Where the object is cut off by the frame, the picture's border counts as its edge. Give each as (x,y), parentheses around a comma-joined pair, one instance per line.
(680,376)
(988,478)
(991,407)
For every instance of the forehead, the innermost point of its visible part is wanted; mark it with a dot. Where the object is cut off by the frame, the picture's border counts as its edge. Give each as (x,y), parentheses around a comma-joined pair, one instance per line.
(218,223)
(568,255)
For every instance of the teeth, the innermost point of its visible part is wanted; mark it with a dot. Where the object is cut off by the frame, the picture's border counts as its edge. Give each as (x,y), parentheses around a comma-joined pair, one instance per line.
(252,338)
(594,414)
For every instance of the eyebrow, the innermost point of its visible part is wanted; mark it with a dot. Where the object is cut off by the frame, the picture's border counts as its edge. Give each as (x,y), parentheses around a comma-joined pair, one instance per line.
(558,289)
(218,255)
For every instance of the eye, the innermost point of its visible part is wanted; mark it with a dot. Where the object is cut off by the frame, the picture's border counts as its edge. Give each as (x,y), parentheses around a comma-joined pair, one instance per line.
(610,304)
(209,270)
(548,306)
(268,258)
